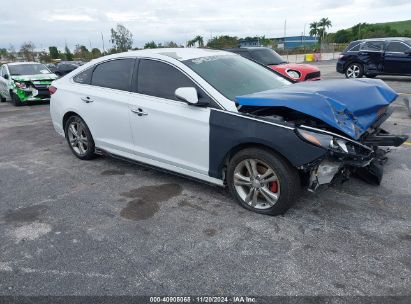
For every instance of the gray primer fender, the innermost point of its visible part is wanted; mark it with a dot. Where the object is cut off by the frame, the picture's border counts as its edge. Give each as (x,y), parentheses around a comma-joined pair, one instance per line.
(229,130)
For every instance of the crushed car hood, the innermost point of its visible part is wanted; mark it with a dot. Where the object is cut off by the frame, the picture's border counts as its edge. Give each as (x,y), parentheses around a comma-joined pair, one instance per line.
(351,106)
(35,77)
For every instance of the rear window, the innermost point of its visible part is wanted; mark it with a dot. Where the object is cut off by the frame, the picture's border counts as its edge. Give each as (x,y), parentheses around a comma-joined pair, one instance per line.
(84,77)
(372,46)
(267,57)
(353,47)
(397,47)
(114,74)
(28,69)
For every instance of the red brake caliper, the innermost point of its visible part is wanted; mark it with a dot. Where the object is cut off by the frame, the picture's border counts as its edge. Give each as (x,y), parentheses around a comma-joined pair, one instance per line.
(273,187)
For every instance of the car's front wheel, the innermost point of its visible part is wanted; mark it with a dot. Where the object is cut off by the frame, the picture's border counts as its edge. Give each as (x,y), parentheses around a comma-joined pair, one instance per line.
(79,138)
(16,99)
(354,70)
(262,181)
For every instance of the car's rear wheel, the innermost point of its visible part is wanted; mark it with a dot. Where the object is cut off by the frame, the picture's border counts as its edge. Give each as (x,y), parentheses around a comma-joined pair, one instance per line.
(79,138)
(262,181)
(16,99)
(354,70)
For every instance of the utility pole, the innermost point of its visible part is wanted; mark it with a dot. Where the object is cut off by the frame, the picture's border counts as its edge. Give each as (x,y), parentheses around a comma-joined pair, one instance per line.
(102,40)
(91,54)
(285,34)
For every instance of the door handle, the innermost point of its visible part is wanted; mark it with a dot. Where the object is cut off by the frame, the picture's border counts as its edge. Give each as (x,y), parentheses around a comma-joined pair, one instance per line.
(139,112)
(86,99)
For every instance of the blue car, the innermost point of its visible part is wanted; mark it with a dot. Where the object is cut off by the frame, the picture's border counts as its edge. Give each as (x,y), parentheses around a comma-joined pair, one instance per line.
(372,57)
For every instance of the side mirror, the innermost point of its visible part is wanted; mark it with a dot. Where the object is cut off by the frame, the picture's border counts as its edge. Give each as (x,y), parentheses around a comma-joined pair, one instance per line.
(6,76)
(187,94)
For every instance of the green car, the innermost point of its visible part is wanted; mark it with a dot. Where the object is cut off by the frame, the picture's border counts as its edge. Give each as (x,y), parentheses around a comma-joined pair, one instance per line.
(23,82)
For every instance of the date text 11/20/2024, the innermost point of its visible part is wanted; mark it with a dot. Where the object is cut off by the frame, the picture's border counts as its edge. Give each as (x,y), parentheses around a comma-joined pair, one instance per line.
(203,299)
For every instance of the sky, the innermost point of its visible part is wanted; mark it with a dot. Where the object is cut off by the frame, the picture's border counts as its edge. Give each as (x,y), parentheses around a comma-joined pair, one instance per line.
(57,22)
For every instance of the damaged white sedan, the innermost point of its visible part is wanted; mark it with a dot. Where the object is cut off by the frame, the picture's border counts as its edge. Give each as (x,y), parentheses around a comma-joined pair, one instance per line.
(223,119)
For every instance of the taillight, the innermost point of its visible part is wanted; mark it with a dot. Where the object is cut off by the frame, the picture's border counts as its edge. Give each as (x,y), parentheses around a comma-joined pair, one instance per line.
(52,90)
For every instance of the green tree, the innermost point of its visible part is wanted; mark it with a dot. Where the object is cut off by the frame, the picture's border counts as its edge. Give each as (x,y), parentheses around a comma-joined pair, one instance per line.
(314,29)
(150,45)
(44,57)
(95,53)
(342,36)
(67,54)
(11,52)
(27,50)
(324,24)
(121,38)
(222,42)
(81,52)
(170,44)
(199,40)
(54,52)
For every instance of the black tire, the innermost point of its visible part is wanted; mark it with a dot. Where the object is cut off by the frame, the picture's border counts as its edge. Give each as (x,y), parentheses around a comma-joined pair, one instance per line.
(85,133)
(354,70)
(289,186)
(16,99)
(2,99)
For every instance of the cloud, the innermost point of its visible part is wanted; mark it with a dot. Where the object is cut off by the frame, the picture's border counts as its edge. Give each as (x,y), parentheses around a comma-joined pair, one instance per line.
(84,22)
(69,17)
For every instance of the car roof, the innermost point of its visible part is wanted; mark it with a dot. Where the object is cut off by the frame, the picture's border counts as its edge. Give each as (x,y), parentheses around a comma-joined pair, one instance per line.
(385,39)
(20,63)
(248,48)
(180,54)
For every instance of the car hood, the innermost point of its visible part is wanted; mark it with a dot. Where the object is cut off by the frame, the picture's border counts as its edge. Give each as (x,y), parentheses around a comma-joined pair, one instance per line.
(351,106)
(296,66)
(34,77)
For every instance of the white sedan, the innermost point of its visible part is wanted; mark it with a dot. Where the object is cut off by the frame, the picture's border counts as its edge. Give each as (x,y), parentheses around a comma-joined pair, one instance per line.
(177,109)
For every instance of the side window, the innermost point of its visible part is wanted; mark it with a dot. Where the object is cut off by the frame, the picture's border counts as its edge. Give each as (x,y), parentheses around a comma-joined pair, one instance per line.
(161,80)
(373,46)
(353,47)
(397,47)
(2,71)
(84,77)
(114,74)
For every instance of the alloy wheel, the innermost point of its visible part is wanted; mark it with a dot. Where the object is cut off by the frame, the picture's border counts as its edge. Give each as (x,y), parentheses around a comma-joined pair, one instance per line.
(77,137)
(353,71)
(256,183)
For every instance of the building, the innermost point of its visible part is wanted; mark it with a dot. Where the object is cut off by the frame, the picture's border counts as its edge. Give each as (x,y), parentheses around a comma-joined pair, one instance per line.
(287,43)
(293,42)
(249,42)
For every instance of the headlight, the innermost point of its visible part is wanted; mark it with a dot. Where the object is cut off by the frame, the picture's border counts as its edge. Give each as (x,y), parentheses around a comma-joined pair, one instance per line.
(20,85)
(326,141)
(293,74)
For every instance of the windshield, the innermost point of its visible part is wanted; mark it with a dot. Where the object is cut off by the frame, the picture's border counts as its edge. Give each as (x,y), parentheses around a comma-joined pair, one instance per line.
(233,75)
(267,57)
(28,69)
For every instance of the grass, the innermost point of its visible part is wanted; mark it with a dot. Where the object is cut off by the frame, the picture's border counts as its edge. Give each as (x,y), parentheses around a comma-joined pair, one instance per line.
(400,26)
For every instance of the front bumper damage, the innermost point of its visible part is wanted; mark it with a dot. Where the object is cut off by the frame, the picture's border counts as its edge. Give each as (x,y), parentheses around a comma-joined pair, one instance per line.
(36,90)
(32,94)
(367,164)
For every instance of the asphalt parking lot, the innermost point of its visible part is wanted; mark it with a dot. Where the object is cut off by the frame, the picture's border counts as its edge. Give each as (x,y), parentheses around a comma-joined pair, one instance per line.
(108,227)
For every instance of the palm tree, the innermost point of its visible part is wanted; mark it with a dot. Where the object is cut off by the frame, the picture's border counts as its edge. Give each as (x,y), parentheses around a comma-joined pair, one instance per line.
(200,41)
(314,29)
(324,23)
(191,43)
